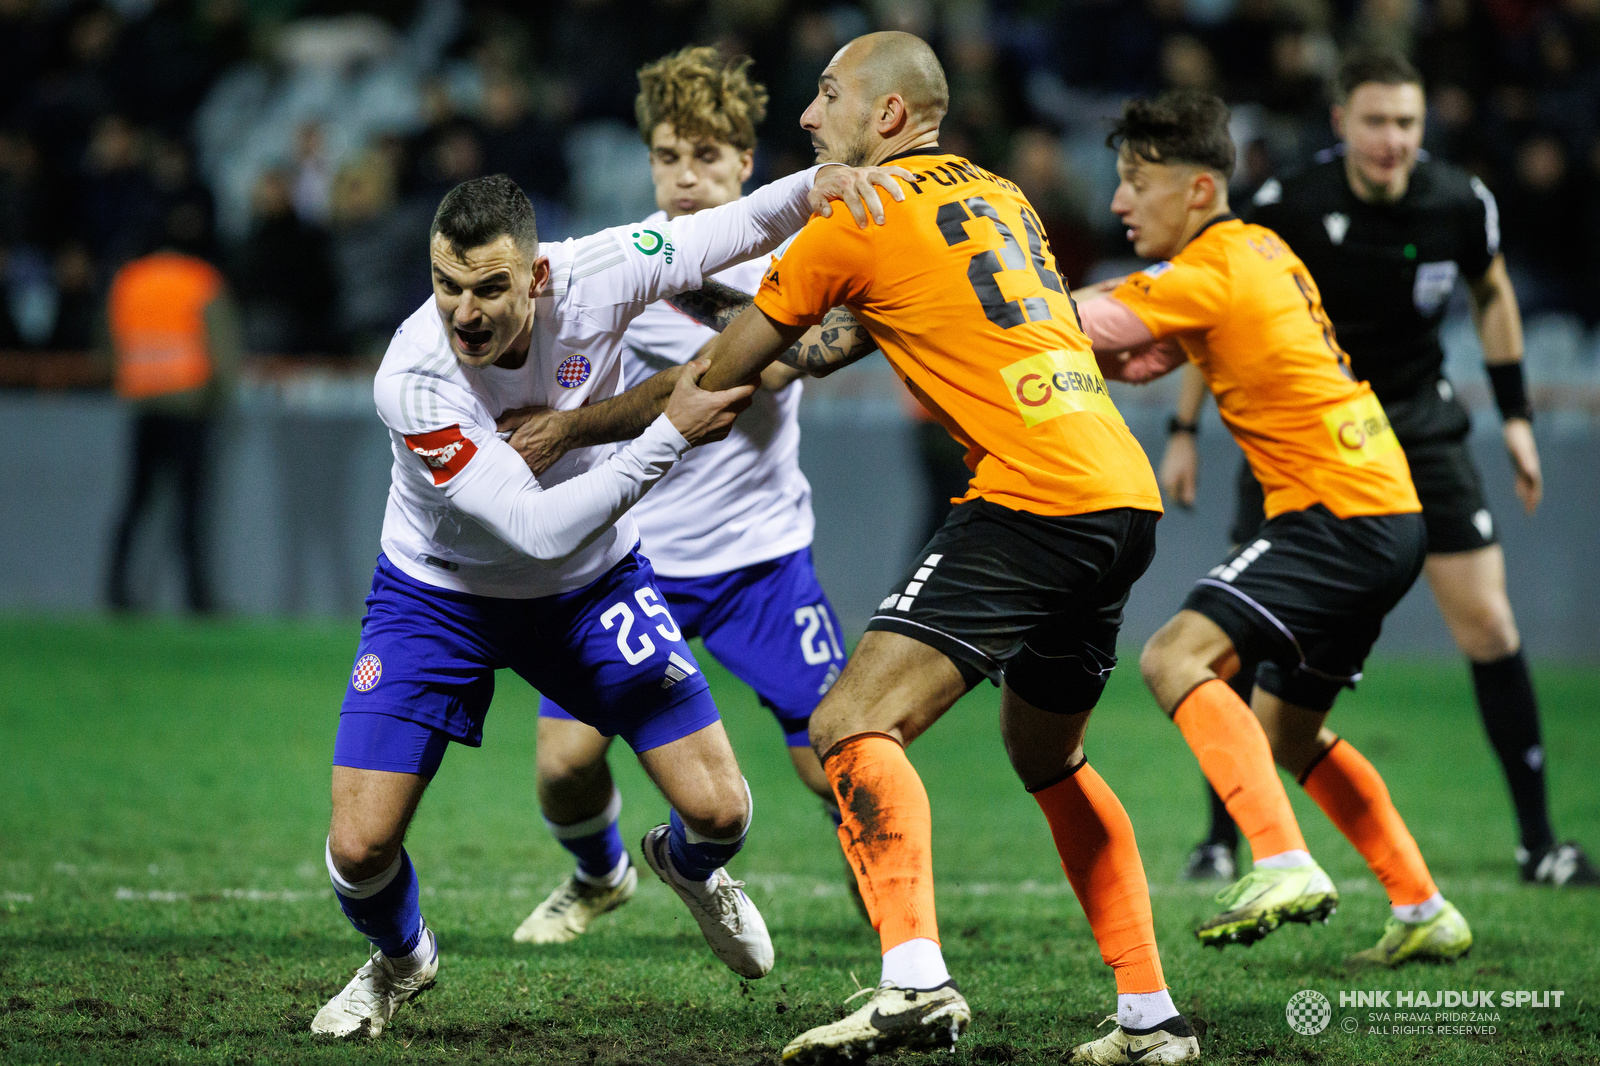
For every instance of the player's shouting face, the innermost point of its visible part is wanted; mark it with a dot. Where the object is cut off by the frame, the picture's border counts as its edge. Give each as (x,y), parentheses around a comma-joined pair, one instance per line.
(693,175)
(1381,126)
(485,297)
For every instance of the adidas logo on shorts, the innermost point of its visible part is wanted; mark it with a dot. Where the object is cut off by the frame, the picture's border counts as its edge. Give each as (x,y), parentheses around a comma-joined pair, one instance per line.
(678,668)
(1230,570)
(901,601)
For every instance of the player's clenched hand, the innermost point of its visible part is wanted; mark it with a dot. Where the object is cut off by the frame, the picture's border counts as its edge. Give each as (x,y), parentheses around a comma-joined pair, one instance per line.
(703,416)
(854,187)
(1180,469)
(538,434)
(1136,366)
(1525,462)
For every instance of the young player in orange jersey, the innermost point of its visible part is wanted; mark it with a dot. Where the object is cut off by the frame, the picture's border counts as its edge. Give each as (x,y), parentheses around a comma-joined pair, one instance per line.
(1025,582)
(1343,542)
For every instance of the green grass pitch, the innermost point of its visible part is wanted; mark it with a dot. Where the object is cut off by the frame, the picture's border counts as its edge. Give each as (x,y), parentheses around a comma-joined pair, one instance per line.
(164,797)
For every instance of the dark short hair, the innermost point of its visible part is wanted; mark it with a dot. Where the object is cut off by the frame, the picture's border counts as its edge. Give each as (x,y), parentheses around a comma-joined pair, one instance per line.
(1181,126)
(1384,68)
(478,211)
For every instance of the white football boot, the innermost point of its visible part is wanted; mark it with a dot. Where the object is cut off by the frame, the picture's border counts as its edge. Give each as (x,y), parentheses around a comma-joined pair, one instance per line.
(732,926)
(893,1018)
(375,993)
(565,915)
(1171,1041)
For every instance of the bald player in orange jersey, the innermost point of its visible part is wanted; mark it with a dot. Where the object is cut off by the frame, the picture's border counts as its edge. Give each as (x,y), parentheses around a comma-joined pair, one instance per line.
(1343,542)
(1024,584)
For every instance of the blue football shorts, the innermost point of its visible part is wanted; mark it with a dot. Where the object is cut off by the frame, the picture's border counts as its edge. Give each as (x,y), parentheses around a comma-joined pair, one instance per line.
(773,628)
(427,657)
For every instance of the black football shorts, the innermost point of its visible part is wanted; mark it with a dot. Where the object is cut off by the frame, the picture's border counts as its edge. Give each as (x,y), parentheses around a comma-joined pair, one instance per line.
(1448,484)
(1035,599)
(1306,595)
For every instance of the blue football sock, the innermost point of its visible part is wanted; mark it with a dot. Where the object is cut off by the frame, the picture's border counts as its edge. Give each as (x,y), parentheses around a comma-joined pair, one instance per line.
(386,908)
(696,857)
(596,843)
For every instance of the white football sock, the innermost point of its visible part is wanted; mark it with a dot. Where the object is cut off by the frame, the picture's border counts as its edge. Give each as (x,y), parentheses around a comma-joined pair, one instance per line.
(1141,1010)
(419,956)
(1285,860)
(359,889)
(1419,912)
(917,963)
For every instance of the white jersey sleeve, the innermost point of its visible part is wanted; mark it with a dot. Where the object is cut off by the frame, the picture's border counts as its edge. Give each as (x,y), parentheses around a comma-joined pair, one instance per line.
(449,438)
(499,491)
(618,271)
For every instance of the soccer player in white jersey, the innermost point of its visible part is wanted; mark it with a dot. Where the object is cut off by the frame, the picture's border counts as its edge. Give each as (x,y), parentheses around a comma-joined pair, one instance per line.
(727,531)
(486,566)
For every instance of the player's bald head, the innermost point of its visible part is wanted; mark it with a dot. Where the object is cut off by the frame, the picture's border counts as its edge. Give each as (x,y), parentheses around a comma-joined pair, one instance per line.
(900,63)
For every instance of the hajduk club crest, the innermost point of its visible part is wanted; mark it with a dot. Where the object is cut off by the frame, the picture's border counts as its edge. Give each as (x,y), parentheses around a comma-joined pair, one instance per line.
(369,668)
(573,371)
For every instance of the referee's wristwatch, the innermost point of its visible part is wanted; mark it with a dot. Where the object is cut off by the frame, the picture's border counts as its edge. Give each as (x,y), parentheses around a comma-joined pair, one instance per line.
(1176,425)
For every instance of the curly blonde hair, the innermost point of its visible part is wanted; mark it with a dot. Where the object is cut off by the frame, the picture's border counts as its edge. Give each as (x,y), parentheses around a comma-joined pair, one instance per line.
(703,96)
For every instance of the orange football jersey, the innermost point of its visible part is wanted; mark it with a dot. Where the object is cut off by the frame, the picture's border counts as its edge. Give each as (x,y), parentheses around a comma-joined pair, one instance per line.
(1247,313)
(960,291)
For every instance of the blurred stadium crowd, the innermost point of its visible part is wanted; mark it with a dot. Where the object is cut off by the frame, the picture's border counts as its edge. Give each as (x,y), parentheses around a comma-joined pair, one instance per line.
(302,145)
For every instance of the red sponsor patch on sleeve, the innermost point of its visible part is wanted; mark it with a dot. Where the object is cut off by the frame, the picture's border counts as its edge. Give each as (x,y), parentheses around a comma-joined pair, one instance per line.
(445,451)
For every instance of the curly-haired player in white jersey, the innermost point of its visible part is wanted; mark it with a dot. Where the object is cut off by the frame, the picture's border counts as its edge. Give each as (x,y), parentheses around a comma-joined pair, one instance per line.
(486,566)
(728,530)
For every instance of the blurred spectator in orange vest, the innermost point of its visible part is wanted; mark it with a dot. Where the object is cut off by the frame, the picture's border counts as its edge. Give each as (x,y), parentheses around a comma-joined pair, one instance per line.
(173,339)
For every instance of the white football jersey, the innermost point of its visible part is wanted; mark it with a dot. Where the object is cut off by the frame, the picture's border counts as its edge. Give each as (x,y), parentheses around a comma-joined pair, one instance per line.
(464,511)
(739,501)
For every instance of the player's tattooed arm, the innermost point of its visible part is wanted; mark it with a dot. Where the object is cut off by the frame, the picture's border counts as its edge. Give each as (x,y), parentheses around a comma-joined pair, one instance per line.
(713,304)
(835,342)
(832,344)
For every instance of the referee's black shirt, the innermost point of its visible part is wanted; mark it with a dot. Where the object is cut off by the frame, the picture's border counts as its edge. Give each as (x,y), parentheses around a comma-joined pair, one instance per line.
(1386,272)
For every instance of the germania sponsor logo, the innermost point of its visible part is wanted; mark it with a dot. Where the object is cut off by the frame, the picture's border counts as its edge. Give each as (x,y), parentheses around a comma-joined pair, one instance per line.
(1360,430)
(573,371)
(1052,384)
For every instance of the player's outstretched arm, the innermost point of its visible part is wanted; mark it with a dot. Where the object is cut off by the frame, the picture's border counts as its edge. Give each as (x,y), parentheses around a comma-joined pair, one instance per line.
(709,241)
(497,490)
(832,344)
(1499,323)
(541,435)
(1124,346)
(747,347)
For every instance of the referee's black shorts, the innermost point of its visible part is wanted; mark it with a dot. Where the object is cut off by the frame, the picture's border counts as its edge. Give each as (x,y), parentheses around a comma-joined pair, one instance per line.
(1448,484)
(1306,595)
(1035,599)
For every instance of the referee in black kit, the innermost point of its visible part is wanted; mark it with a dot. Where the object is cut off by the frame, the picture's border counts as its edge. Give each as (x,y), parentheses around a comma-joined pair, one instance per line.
(1387,232)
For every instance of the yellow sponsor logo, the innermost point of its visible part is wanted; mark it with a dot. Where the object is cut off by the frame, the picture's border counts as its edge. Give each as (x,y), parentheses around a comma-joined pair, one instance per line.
(1360,430)
(1052,384)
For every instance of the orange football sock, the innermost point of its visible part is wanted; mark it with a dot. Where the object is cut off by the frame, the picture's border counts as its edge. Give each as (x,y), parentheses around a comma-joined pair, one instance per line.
(1234,754)
(886,828)
(1095,841)
(1348,789)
